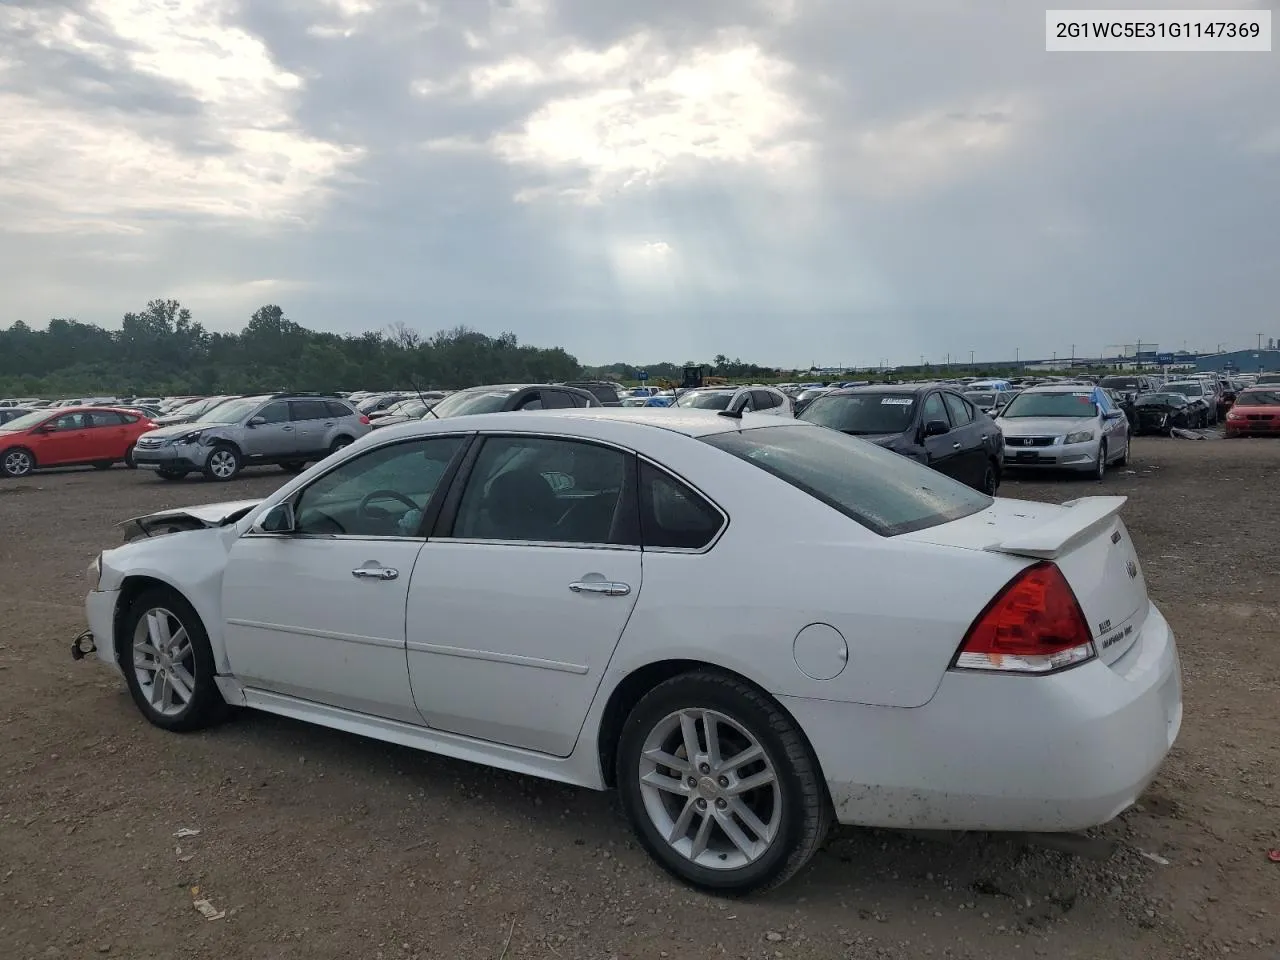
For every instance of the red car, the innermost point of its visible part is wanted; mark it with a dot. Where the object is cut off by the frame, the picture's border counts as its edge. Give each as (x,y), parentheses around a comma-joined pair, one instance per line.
(1256,413)
(68,436)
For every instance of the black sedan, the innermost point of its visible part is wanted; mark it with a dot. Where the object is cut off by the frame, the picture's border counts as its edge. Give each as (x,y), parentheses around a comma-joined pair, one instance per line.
(931,424)
(1161,412)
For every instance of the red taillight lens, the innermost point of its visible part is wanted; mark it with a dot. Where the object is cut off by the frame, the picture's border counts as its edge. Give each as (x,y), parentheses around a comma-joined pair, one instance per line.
(1034,625)
(365,420)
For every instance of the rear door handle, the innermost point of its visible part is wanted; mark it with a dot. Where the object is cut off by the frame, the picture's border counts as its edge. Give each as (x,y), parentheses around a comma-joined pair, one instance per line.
(604,587)
(375,573)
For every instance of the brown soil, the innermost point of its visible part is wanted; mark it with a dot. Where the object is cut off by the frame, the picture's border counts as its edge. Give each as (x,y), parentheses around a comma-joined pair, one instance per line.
(318,844)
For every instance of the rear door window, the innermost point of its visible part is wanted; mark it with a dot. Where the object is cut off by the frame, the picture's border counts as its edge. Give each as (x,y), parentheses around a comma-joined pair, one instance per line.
(308,409)
(961,412)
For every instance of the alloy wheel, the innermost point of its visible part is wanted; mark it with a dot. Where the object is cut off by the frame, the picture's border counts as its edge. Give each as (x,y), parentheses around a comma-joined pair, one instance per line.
(164,662)
(17,463)
(222,464)
(710,789)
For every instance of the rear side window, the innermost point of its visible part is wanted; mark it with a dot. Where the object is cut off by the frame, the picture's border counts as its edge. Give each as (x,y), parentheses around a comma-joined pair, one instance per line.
(337,409)
(884,491)
(673,515)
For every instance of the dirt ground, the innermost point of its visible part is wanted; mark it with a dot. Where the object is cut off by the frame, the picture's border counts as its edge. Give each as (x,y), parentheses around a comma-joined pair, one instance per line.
(319,844)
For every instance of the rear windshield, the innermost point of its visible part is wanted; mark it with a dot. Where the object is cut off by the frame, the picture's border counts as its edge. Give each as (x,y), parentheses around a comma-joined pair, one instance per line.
(863,413)
(706,399)
(473,401)
(882,490)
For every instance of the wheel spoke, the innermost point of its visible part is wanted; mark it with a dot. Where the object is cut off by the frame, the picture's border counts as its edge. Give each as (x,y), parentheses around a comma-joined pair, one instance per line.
(747,784)
(749,755)
(749,819)
(681,825)
(669,760)
(158,691)
(181,683)
(689,729)
(712,735)
(736,836)
(701,837)
(157,630)
(179,645)
(666,784)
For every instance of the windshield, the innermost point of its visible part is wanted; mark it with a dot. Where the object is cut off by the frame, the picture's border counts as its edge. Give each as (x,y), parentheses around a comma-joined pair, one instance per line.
(233,411)
(25,422)
(473,401)
(881,490)
(1258,398)
(1050,405)
(1161,399)
(981,399)
(1186,389)
(706,399)
(863,413)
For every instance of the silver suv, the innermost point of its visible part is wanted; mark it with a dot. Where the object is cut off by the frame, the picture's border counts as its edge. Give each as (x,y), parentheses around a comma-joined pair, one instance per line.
(288,429)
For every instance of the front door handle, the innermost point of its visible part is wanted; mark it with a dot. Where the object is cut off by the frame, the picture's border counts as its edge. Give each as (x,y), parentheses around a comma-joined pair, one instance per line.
(955,446)
(604,587)
(375,573)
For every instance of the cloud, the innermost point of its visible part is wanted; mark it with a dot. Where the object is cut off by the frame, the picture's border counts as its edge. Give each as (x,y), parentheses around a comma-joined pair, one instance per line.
(786,180)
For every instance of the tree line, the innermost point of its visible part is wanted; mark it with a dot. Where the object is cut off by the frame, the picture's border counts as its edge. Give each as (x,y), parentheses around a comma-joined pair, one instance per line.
(161,350)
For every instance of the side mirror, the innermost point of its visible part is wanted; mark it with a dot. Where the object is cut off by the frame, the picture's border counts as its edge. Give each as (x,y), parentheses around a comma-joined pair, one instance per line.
(936,428)
(255,422)
(279,519)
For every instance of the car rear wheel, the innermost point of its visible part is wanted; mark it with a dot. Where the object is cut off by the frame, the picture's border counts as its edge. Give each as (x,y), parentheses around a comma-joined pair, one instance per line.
(990,479)
(720,785)
(17,462)
(340,443)
(223,464)
(168,663)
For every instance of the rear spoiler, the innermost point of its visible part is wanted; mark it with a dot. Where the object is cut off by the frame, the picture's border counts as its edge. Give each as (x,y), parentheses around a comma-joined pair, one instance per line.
(1081,520)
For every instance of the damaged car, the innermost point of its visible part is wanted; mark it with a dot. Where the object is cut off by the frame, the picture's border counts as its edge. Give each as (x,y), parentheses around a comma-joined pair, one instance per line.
(1162,412)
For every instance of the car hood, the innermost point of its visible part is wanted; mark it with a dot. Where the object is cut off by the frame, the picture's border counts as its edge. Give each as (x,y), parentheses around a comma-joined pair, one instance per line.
(177,430)
(206,514)
(1269,409)
(1044,426)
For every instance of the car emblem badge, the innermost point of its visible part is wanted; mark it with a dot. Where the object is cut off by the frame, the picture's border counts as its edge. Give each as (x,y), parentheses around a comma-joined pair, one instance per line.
(1133,570)
(1115,537)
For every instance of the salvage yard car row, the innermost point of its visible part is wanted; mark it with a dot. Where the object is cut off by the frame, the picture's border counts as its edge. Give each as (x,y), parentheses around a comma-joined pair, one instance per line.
(970,434)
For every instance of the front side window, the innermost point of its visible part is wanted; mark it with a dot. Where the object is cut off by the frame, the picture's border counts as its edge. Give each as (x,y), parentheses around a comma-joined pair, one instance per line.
(934,409)
(884,491)
(72,421)
(382,493)
(547,490)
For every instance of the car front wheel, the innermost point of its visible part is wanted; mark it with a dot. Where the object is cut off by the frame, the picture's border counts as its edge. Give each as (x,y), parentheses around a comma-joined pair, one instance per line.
(17,462)
(720,785)
(168,663)
(1101,473)
(223,463)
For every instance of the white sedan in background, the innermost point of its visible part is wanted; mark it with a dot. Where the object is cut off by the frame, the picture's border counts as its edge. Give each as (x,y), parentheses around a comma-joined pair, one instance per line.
(578,595)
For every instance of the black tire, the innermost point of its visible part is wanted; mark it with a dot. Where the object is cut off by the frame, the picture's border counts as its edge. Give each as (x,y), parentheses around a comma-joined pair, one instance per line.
(804,816)
(171,474)
(1124,460)
(205,705)
(129,461)
(991,479)
(223,453)
(1101,472)
(17,462)
(293,466)
(103,464)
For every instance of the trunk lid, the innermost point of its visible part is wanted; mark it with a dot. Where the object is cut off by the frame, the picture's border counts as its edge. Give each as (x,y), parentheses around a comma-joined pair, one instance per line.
(1090,545)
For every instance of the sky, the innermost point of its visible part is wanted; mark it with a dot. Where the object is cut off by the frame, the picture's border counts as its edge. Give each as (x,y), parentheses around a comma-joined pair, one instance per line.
(791,182)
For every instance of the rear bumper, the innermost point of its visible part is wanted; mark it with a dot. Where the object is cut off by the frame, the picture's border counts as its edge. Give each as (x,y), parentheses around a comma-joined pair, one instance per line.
(1006,753)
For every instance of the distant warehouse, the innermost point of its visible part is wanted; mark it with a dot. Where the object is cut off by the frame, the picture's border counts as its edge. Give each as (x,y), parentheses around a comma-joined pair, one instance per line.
(1240,361)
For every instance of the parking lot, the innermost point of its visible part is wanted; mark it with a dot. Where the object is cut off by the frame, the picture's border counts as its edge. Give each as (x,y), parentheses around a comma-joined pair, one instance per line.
(320,844)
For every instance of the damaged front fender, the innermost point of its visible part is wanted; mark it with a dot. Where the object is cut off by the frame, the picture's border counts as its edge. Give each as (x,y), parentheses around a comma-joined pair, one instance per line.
(178,520)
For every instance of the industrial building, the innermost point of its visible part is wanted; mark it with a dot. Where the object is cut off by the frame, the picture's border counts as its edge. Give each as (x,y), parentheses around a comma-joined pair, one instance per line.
(1239,361)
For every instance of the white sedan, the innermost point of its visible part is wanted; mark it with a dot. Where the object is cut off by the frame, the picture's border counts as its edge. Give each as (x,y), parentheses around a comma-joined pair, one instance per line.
(580,595)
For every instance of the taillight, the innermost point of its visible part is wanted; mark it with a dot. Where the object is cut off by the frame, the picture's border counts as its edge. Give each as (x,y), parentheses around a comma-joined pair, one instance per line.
(1034,625)
(364,420)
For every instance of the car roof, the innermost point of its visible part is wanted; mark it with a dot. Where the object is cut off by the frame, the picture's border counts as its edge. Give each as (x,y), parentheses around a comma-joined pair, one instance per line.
(1062,388)
(691,422)
(890,388)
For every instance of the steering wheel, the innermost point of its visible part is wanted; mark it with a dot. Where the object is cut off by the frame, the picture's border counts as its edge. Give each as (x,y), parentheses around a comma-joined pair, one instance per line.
(364,510)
